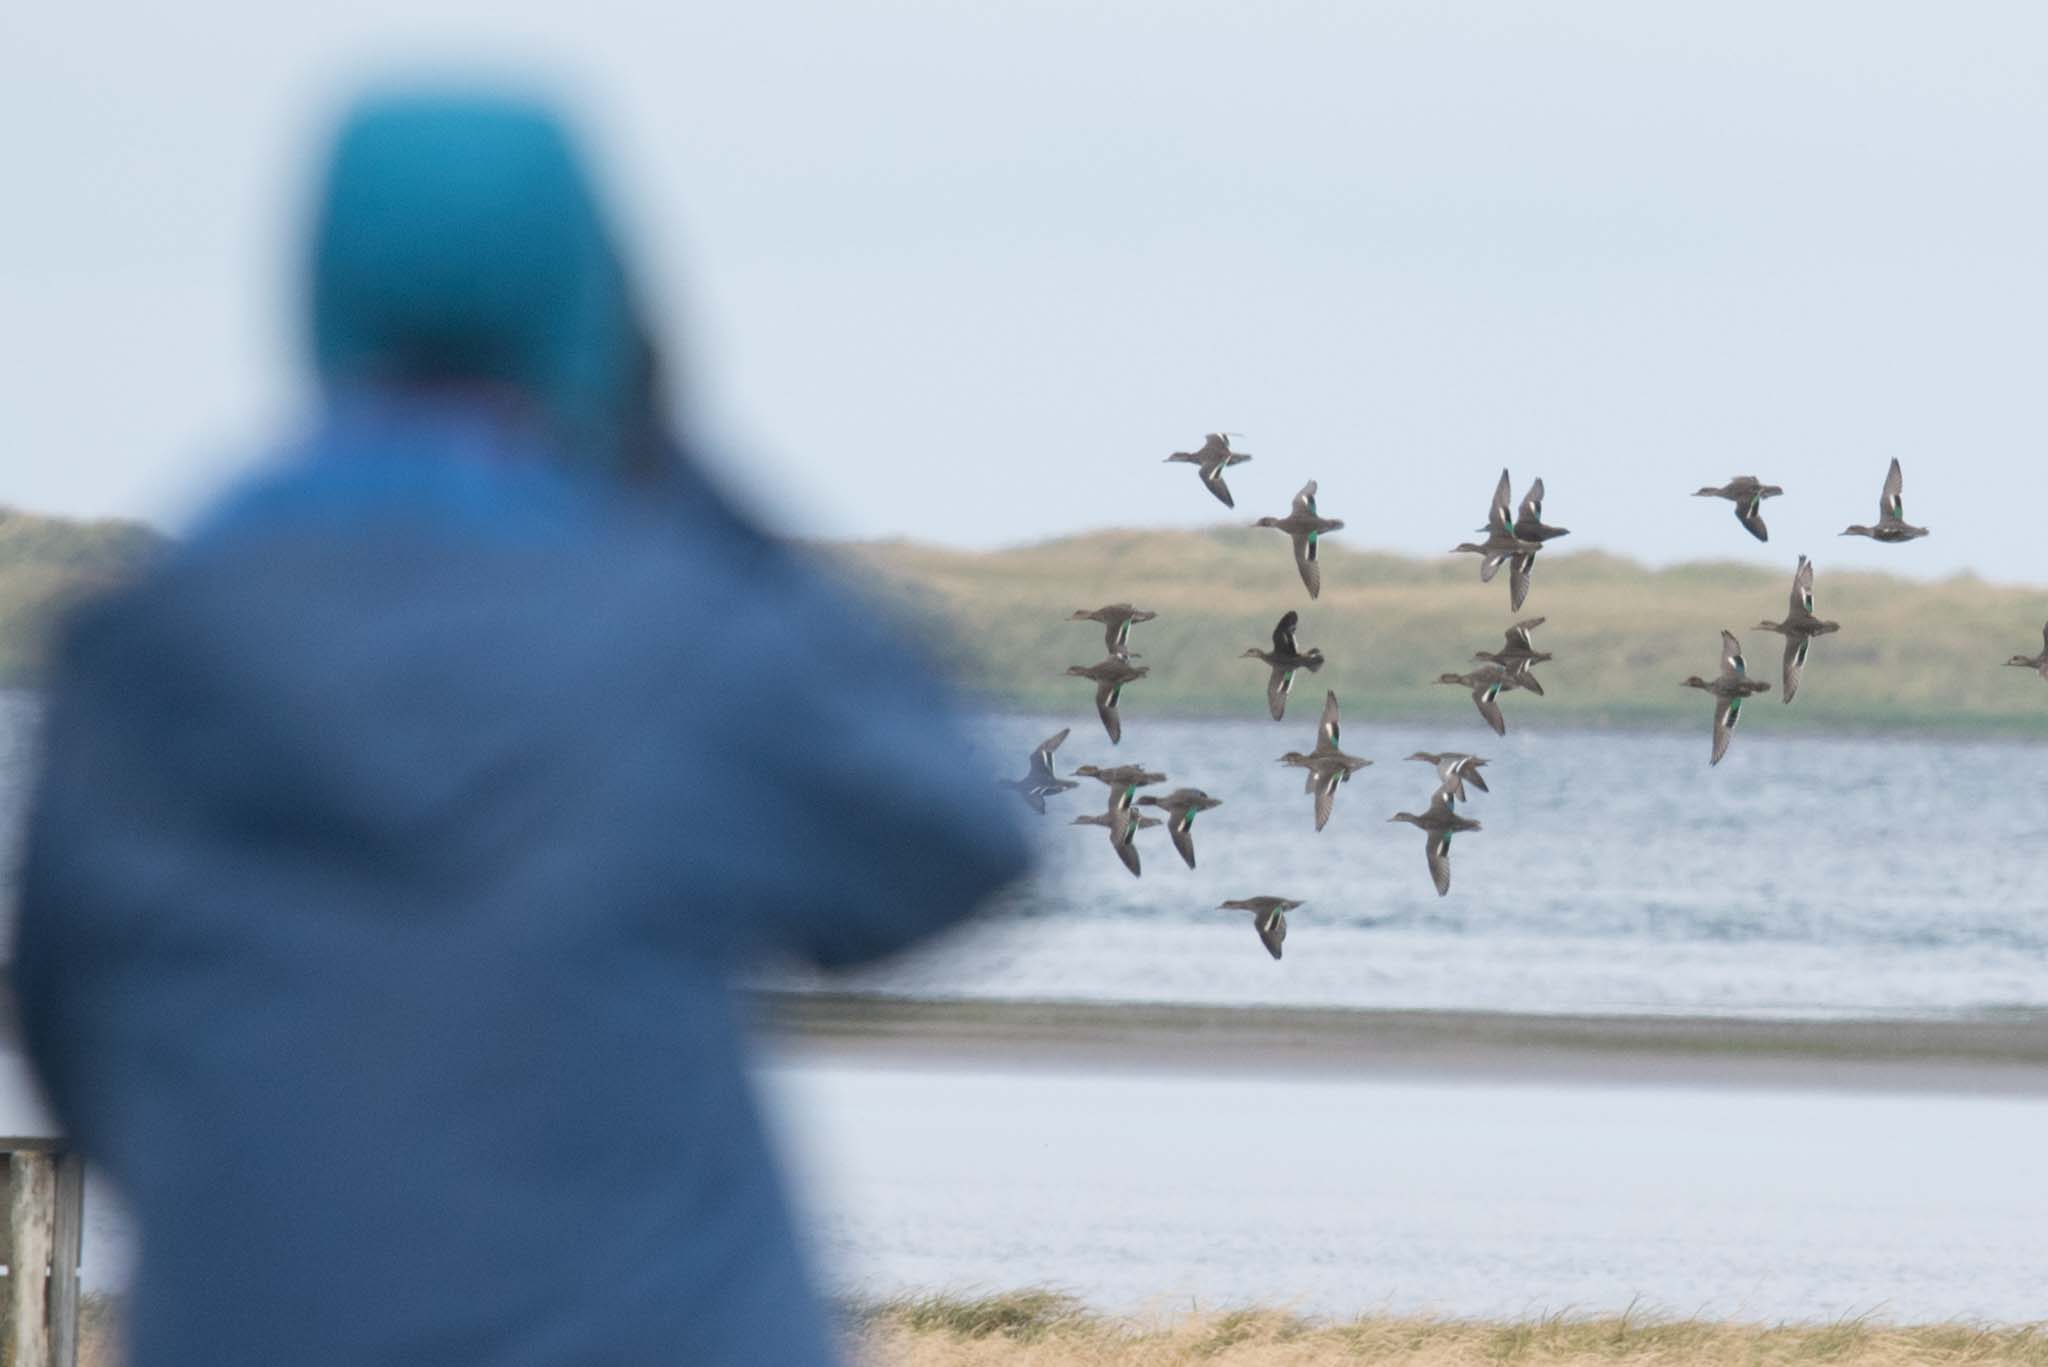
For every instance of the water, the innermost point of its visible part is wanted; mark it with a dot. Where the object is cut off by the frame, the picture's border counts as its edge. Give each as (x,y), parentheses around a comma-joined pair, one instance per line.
(1344,1196)
(1617,874)
(1347,1196)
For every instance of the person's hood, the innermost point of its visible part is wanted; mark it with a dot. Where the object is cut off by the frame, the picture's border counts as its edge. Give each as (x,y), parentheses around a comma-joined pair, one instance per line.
(459,245)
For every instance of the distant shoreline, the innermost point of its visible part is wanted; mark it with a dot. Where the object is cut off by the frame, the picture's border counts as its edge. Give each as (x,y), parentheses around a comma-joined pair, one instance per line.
(2001,1056)
(1555,715)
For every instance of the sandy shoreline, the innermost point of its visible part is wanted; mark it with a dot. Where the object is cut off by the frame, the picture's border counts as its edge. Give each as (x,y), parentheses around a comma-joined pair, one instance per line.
(1989,1056)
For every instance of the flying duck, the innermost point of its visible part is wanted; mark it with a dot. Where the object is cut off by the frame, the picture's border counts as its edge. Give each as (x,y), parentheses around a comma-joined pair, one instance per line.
(1285,661)
(1305,527)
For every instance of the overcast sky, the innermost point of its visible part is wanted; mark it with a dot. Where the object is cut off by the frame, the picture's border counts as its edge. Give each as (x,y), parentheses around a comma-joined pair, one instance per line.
(967,272)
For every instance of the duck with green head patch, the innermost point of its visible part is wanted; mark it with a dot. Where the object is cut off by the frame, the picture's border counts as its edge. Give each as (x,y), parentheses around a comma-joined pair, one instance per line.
(1327,764)
(1041,783)
(1528,526)
(1747,493)
(1503,545)
(1729,688)
(1454,770)
(1800,626)
(1487,684)
(1123,782)
(1110,676)
(1211,461)
(1181,806)
(1305,527)
(1116,621)
(1892,526)
(1269,918)
(1517,653)
(1285,661)
(1439,823)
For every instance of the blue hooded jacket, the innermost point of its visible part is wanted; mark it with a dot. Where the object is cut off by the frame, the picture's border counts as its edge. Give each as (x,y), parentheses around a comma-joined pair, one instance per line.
(398,835)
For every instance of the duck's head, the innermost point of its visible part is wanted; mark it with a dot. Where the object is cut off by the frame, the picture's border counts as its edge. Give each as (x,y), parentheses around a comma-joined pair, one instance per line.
(1254,653)
(1081,671)
(1695,681)
(1452,679)
(2021,661)
(1267,522)
(1293,757)
(1464,546)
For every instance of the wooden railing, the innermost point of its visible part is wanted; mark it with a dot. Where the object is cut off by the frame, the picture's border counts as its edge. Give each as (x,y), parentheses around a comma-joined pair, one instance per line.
(46,1224)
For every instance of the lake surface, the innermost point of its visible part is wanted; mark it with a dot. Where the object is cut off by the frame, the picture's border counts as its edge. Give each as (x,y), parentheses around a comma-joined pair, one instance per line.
(1617,873)
(1339,1196)
(1342,1196)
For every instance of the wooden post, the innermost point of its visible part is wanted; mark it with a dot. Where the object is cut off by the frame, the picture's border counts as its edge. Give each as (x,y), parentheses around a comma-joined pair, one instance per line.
(31,1214)
(66,1244)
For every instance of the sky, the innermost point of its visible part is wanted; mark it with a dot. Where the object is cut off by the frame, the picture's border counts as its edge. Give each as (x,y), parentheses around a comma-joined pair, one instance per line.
(967,272)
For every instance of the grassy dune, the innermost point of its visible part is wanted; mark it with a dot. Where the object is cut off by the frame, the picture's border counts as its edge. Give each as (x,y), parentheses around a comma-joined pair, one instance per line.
(1040,1329)
(1923,655)
(46,562)
(1910,654)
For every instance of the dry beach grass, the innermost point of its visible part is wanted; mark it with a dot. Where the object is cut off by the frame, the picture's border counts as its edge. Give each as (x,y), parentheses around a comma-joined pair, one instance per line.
(1920,654)
(1043,1329)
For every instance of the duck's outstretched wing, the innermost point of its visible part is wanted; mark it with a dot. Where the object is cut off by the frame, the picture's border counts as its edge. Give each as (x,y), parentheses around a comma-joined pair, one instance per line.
(1329,733)
(1518,637)
(1892,503)
(1487,700)
(1277,689)
(1749,511)
(1325,787)
(1272,927)
(1305,561)
(1182,829)
(1531,511)
(1795,662)
(1472,775)
(1107,695)
(1437,851)
(1212,479)
(1498,512)
(1283,633)
(1727,711)
(1125,841)
(1802,590)
(1305,501)
(1733,666)
(1041,758)
(1520,568)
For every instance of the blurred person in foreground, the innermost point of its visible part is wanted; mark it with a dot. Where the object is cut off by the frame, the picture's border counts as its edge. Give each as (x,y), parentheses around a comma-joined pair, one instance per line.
(400,833)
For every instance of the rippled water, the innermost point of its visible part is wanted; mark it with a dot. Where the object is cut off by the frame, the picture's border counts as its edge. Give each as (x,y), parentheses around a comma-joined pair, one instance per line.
(1617,873)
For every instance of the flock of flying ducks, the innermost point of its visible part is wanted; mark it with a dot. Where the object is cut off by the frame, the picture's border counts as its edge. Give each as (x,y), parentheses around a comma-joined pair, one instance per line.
(1515,534)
